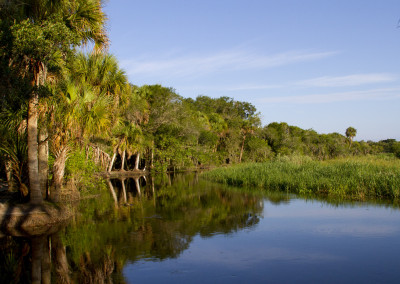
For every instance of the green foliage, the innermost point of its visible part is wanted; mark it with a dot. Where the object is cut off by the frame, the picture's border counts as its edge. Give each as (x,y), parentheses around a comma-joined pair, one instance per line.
(351,132)
(287,140)
(257,150)
(92,102)
(390,146)
(208,138)
(13,148)
(45,41)
(82,170)
(356,178)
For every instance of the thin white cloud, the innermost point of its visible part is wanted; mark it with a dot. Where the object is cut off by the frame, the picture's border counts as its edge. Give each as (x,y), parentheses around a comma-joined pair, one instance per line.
(375,94)
(350,80)
(233,88)
(224,61)
(251,87)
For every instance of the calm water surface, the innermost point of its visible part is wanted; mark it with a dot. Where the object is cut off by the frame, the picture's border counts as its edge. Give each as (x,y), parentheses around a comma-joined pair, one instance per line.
(186,230)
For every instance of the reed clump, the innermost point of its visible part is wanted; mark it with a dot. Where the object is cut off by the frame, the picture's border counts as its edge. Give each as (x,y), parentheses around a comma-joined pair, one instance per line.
(356,178)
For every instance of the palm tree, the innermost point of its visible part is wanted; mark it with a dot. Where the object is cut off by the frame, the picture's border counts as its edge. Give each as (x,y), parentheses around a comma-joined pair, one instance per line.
(350,134)
(43,33)
(129,138)
(101,71)
(81,113)
(106,102)
(63,126)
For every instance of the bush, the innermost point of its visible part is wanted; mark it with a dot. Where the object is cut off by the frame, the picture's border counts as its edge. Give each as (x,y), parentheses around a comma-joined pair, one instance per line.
(81,171)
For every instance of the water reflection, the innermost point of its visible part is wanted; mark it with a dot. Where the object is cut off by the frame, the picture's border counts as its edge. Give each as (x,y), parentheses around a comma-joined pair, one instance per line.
(180,228)
(151,218)
(123,188)
(32,260)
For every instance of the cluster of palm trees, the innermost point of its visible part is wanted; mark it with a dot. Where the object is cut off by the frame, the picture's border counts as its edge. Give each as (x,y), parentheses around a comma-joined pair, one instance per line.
(65,95)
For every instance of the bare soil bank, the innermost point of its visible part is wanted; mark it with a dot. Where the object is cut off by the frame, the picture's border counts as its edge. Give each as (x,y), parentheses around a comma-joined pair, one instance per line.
(24,219)
(33,220)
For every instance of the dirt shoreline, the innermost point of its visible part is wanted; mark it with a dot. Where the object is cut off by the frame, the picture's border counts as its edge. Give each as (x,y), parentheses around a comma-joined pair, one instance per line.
(33,220)
(24,219)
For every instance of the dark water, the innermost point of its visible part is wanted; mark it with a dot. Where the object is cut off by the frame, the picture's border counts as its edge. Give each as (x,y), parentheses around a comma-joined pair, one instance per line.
(183,229)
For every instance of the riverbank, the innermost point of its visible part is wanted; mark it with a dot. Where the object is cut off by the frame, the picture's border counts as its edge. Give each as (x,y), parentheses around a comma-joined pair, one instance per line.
(25,219)
(357,178)
(31,220)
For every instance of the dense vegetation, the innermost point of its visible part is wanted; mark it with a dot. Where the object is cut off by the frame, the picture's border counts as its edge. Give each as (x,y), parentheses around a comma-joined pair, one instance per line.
(65,114)
(369,177)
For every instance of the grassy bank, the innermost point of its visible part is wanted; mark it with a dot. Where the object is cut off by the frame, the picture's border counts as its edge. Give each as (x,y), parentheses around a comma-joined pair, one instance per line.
(357,178)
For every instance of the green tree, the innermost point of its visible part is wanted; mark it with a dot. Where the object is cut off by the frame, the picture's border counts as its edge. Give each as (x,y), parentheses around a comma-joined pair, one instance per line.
(42,33)
(350,134)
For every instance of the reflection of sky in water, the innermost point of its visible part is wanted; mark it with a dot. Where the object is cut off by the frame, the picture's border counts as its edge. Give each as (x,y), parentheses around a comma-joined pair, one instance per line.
(296,242)
(317,218)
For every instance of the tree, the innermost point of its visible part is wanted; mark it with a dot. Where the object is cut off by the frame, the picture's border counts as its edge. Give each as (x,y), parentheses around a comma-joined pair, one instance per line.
(42,34)
(350,134)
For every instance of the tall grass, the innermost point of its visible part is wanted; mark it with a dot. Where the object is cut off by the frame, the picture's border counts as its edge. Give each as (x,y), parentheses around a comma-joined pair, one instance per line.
(356,178)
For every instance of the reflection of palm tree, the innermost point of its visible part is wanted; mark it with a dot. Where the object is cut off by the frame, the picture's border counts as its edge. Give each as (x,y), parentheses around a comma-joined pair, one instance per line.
(41,259)
(36,254)
(92,271)
(46,261)
(60,259)
(137,183)
(112,191)
(124,190)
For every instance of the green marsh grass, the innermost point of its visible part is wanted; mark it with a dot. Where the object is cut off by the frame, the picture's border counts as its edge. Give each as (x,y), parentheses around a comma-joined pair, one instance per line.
(356,177)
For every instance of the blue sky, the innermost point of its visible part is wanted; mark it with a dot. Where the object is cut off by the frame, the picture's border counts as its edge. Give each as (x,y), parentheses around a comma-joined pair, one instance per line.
(316,64)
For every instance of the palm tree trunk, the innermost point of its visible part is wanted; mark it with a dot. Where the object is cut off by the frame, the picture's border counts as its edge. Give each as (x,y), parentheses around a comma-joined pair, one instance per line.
(58,173)
(43,161)
(33,164)
(152,158)
(123,160)
(112,162)
(12,185)
(241,149)
(137,161)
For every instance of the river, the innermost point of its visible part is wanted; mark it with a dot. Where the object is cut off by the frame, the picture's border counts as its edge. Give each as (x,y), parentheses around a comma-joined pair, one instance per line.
(183,229)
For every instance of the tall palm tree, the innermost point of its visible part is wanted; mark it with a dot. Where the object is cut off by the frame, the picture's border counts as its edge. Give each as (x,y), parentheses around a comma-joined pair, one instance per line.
(107,83)
(102,72)
(43,33)
(110,98)
(350,134)
(80,113)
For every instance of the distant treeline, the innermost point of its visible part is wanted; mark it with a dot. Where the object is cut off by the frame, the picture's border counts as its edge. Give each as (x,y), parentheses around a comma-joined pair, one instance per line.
(287,140)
